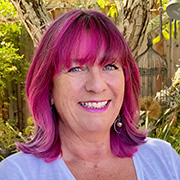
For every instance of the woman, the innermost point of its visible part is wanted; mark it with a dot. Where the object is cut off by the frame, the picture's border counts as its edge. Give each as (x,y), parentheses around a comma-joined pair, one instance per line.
(83,88)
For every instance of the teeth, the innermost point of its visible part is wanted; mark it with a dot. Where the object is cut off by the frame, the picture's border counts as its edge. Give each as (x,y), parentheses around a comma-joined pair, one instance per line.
(94,104)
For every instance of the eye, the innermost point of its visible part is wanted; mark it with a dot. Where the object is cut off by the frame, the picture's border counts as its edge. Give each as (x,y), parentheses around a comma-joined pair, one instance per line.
(75,69)
(110,67)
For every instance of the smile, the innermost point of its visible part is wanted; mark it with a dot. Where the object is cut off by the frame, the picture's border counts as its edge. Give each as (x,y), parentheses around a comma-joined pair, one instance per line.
(94,105)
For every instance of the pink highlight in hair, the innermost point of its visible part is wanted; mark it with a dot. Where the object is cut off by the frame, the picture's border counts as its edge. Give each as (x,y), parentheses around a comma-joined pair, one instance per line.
(83,36)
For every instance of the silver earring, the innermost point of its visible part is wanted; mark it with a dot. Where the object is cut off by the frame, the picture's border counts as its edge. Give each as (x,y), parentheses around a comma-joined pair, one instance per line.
(52,101)
(117,125)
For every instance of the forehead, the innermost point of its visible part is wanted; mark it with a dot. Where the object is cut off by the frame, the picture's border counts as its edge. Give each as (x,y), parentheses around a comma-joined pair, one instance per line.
(92,48)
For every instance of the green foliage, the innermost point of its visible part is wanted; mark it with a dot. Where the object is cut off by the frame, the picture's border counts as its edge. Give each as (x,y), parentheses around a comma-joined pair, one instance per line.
(166,126)
(166,31)
(13,67)
(30,128)
(166,27)
(7,9)
(8,134)
(10,30)
(10,27)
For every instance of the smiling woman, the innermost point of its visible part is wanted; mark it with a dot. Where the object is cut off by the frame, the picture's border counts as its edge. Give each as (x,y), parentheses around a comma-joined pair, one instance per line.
(87,43)
(83,89)
(88,98)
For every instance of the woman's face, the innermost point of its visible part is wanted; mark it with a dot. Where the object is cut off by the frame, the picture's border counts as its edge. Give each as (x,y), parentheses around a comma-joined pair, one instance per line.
(89,98)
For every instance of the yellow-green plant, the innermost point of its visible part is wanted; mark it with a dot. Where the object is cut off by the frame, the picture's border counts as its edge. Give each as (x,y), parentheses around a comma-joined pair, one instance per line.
(112,10)
(28,132)
(150,111)
(13,66)
(167,125)
(8,135)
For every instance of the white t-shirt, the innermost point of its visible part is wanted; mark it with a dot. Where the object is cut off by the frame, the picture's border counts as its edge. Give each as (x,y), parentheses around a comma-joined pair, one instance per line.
(155,160)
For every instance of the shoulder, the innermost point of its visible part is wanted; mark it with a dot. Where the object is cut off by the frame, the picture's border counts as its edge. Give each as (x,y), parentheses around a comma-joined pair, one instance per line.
(156,158)
(23,166)
(20,156)
(153,144)
(21,159)
(27,166)
(157,148)
(16,165)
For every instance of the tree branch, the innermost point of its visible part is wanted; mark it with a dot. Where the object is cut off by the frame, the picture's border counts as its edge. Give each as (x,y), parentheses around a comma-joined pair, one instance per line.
(34,16)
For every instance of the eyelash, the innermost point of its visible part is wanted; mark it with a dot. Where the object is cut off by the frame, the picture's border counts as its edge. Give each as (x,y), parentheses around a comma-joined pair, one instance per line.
(74,69)
(112,66)
(78,69)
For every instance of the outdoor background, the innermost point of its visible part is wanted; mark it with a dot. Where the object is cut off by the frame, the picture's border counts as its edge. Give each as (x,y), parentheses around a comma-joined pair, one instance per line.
(153,37)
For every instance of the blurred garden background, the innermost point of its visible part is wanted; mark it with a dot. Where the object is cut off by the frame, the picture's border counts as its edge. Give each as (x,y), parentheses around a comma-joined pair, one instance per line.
(151,32)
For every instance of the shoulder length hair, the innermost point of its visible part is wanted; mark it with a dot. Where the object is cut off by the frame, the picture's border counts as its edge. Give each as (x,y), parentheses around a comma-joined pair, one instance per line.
(57,48)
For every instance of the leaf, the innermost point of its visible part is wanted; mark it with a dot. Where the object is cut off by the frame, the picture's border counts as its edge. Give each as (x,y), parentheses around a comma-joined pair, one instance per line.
(14,27)
(163,2)
(101,3)
(156,40)
(27,131)
(30,120)
(107,3)
(112,11)
(165,34)
(7,9)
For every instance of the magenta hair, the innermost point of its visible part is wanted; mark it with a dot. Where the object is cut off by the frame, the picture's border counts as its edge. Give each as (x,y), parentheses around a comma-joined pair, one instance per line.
(58,48)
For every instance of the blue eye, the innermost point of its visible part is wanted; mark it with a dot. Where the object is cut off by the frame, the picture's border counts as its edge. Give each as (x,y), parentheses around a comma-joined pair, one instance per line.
(75,69)
(110,67)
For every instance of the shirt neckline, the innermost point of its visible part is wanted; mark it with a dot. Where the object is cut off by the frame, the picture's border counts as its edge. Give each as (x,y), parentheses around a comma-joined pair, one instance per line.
(135,162)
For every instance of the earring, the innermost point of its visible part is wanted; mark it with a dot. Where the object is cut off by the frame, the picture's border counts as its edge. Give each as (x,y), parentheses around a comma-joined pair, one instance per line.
(117,124)
(52,101)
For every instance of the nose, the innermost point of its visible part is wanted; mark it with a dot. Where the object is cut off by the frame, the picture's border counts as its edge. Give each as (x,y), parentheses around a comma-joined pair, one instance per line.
(95,82)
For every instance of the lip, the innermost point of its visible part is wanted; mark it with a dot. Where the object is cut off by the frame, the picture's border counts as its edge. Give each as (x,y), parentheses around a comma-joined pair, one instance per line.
(93,110)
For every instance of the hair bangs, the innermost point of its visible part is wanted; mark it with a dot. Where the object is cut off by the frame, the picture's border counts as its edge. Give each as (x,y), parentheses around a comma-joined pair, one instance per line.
(88,41)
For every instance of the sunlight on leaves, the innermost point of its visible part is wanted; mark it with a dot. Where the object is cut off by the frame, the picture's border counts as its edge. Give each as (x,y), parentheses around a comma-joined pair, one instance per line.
(101,3)
(165,34)
(113,11)
(156,40)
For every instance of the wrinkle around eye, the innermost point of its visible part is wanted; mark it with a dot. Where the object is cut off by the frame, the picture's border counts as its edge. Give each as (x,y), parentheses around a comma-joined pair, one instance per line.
(75,69)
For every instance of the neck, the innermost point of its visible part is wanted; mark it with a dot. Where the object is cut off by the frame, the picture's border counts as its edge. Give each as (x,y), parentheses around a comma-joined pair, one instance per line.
(85,146)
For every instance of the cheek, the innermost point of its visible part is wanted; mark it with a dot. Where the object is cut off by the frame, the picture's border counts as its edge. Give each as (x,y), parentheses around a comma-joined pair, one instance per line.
(65,90)
(61,95)
(117,82)
(118,89)
(121,85)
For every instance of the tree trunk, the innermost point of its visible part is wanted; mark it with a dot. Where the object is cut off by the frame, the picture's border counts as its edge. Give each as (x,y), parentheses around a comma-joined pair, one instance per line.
(133,21)
(35,17)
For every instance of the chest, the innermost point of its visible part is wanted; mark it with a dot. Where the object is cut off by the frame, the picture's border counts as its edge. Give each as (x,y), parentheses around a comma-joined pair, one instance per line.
(110,171)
